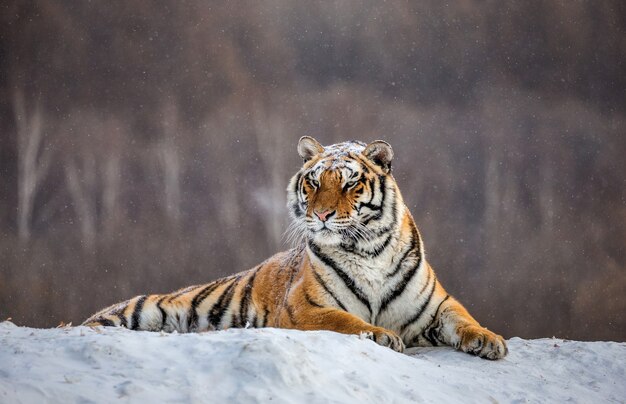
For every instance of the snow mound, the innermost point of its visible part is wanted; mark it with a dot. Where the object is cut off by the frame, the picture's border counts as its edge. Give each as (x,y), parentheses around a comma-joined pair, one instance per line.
(284,366)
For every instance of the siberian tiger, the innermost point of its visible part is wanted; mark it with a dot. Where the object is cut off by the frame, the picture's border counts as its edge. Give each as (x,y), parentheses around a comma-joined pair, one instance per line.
(359,268)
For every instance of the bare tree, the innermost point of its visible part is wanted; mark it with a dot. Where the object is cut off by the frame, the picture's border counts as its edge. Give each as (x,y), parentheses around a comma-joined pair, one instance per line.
(270,129)
(81,181)
(94,149)
(111,183)
(33,161)
(113,134)
(169,162)
(219,128)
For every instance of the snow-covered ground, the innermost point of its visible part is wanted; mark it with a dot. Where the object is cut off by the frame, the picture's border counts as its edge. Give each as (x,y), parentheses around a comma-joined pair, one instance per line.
(282,366)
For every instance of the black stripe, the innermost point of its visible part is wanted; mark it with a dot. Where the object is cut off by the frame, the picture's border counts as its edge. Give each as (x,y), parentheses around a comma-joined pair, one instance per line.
(352,172)
(430,337)
(378,250)
(394,202)
(401,287)
(217,311)
(297,183)
(302,204)
(370,206)
(163,313)
(264,318)
(406,254)
(366,253)
(351,248)
(422,307)
(394,209)
(192,316)
(342,275)
(245,300)
(122,317)
(438,307)
(235,320)
(382,189)
(408,276)
(310,300)
(431,332)
(372,184)
(120,314)
(106,322)
(436,311)
(135,319)
(364,166)
(297,210)
(327,289)
(394,219)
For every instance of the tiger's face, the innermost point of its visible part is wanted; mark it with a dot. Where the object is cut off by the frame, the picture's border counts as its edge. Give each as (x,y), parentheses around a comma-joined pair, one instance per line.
(338,196)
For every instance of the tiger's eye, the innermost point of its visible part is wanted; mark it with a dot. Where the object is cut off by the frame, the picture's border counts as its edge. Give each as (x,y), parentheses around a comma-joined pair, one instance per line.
(350,184)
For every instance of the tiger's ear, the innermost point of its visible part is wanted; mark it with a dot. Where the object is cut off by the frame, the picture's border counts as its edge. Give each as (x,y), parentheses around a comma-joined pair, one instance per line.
(309,148)
(381,153)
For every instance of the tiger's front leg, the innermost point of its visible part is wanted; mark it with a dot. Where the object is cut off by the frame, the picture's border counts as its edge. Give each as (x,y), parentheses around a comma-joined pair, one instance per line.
(454,326)
(307,317)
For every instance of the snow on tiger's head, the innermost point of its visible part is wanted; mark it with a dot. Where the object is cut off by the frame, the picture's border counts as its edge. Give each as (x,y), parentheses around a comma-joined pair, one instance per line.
(339,194)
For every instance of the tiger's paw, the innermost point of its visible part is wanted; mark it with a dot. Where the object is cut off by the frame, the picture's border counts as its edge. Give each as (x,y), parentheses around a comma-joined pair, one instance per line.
(482,342)
(386,338)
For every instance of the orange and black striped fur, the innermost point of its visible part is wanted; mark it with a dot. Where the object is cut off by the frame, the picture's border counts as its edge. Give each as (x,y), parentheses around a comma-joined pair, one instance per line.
(358,268)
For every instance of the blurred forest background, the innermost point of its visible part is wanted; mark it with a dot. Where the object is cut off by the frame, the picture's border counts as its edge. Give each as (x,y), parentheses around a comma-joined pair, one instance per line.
(146,145)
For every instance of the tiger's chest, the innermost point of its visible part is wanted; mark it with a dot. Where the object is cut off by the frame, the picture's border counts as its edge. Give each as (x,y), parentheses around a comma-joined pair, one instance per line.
(362,284)
(367,274)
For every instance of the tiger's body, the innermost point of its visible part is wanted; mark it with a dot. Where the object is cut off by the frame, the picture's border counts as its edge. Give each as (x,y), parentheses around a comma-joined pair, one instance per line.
(359,268)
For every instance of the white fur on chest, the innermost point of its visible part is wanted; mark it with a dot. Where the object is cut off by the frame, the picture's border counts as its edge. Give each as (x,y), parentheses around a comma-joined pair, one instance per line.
(367,275)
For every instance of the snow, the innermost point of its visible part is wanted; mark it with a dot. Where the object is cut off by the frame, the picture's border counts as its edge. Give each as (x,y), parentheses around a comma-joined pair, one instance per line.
(81,364)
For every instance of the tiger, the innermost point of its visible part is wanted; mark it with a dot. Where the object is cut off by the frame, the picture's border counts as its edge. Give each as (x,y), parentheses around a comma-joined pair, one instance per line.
(358,267)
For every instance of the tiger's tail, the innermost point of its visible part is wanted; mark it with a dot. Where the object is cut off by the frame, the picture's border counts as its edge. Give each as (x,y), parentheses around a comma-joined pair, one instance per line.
(145,312)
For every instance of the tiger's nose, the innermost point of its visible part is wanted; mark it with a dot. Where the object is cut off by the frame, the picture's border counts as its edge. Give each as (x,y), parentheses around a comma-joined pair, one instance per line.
(324,214)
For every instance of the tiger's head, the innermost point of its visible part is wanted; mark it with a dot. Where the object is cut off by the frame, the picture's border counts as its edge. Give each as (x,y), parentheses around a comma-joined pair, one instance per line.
(344,193)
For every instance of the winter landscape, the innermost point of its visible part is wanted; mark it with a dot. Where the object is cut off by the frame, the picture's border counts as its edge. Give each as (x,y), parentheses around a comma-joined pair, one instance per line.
(146,146)
(142,147)
(101,365)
